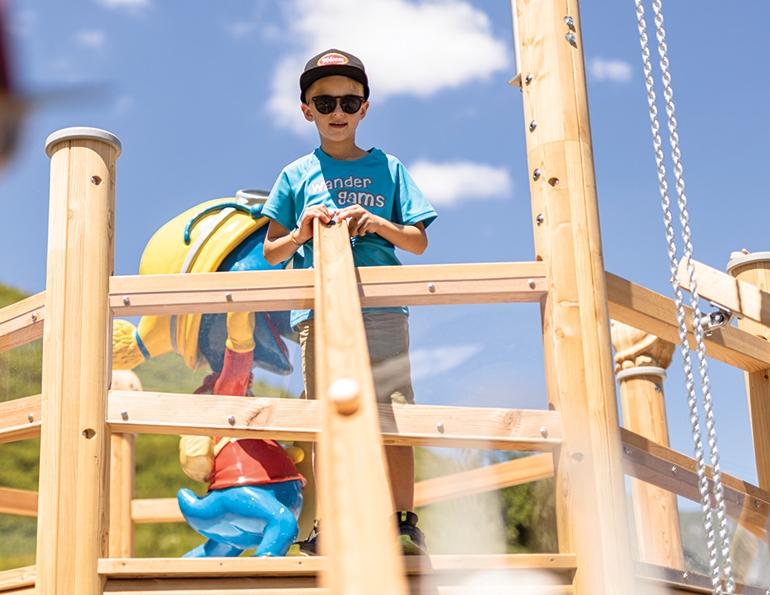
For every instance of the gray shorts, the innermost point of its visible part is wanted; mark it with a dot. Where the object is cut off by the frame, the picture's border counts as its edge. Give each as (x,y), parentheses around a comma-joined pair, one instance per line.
(387,336)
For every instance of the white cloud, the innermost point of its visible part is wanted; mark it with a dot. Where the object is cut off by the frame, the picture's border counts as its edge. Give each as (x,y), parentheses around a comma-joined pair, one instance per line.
(429,362)
(409,48)
(617,71)
(447,183)
(124,3)
(91,39)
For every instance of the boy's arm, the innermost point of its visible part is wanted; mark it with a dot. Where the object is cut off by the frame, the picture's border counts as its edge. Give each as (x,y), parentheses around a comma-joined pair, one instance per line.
(411,238)
(281,244)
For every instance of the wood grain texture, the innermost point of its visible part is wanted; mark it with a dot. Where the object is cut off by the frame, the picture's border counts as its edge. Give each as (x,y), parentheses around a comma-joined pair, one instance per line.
(351,470)
(15,422)
(17,578)
(21,502)
(651,312)
(74,453)
(22,322)
(590,501)
(298,419)
(263,291)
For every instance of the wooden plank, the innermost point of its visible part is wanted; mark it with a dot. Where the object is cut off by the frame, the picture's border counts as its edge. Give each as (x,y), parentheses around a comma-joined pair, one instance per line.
(483,479)
(263,291)
(675,472)
(17,578)
(651,312)
(74,452)
(298,419)
(590,490)
(351,469)
(156,510)
(20,419)
(22,322)
(21,502)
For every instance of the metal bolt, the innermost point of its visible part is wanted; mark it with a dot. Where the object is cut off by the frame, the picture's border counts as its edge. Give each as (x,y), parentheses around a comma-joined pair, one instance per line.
(34,317)
(757,503)
(531,283)
(229,296)
(31,417)
(539,220)
(657,388)
(126,301)
(673,468)
(231,420)
(544,431)
(440,427)
(626,450)
(571,38)
(532,125)
(124,415)
(536,175)
(431,288)
(685,576)
(96,180)
(569,22)
(528,78)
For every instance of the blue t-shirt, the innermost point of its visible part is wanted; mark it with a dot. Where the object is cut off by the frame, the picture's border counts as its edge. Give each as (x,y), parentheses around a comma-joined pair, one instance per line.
(378,182)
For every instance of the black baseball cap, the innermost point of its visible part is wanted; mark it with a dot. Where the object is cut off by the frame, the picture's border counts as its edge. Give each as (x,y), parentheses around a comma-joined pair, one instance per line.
(329,63)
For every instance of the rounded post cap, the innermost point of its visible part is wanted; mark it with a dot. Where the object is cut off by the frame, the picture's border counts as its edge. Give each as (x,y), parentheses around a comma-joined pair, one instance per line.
(82,132)
(345,393)
(747,259)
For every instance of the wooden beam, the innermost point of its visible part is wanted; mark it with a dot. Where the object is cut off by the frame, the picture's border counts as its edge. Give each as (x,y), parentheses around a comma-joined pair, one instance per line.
(263,291)
(20,419)
(298,419)
(483,479)
(21,502)
(351,468)
(74,452)
(675,472)
(19,578)
(22,322)
(651,312)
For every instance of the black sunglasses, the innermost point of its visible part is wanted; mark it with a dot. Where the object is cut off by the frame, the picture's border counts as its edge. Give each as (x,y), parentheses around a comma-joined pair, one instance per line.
(326,104)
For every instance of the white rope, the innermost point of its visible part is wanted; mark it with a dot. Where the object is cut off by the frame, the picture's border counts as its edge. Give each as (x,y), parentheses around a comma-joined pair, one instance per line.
(720,563)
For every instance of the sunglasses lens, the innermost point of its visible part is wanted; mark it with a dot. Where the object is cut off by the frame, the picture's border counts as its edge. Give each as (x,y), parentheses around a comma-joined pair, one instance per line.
(350,104)
(325,103)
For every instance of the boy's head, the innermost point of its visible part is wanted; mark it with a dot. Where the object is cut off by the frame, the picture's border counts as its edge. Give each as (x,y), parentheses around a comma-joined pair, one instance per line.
(330,63)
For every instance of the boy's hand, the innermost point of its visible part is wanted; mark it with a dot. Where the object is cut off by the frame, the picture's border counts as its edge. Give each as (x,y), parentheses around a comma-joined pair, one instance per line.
(305,229)
(360,221)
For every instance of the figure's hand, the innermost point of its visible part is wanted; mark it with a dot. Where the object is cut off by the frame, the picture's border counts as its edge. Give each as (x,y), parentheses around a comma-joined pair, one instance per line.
(360,221)
(305,229)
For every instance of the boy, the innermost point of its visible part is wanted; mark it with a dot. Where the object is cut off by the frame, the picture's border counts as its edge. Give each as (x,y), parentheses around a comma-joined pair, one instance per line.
(384,208)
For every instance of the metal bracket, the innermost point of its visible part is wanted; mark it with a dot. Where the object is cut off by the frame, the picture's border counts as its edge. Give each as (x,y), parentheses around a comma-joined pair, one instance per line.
(715,320)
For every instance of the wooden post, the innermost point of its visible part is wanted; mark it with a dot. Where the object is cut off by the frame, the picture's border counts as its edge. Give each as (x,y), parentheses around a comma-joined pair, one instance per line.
(352,471)
(591,500)
(754,269)
(74,450)
(641,362)
(122,471)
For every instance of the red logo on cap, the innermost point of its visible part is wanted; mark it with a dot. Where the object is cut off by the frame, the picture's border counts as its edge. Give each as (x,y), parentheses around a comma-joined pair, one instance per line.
(332,60)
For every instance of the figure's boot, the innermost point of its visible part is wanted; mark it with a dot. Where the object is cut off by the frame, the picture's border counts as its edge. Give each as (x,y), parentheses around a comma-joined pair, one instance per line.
(235,378)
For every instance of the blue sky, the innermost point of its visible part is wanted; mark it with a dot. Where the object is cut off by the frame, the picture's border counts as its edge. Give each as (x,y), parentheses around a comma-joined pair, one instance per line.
(203,97)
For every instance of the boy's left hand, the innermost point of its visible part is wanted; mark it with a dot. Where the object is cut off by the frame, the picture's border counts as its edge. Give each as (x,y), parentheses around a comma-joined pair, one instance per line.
(360,221)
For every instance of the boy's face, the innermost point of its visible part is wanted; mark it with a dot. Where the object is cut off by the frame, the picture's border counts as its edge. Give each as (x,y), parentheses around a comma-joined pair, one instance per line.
(337,126)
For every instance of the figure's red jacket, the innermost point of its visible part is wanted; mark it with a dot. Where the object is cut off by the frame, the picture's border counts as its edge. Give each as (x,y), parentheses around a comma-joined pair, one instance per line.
(252,462)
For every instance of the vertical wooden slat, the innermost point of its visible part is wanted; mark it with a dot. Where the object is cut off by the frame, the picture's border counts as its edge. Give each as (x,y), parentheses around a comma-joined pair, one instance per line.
(74,452)
(642,360)
(589,480)
(354,494)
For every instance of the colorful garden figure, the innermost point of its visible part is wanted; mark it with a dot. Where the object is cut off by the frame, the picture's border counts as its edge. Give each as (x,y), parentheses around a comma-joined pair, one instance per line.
(255,491)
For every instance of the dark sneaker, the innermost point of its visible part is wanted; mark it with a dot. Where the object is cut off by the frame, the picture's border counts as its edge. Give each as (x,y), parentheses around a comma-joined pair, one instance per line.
(410,537)
(308,547)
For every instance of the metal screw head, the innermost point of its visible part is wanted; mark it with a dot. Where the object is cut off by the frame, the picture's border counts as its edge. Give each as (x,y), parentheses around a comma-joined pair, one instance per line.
(124,415)
(539,220)
(31,417)
(126,301)
(544,431)
(229,296)
(757,503)
(440,427)
(685,576)
(96,180)
(431,288)
(673,468)
(528,78)
(231,420)
(657,388)
(532,125)
(34,317)
(570,22)
(571,38)
(531,283)
(536,175)
(626,450)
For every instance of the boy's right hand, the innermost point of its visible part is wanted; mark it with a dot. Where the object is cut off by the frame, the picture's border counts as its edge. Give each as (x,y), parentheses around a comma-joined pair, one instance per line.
(305,229)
